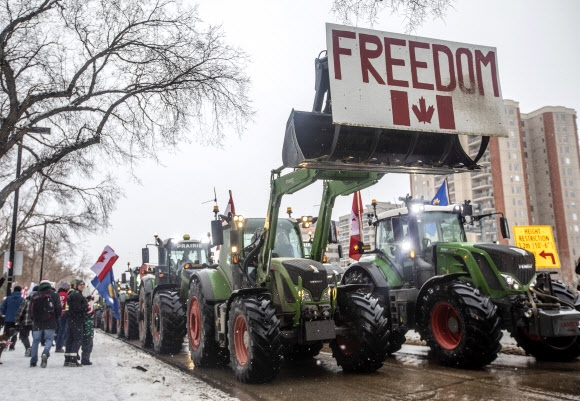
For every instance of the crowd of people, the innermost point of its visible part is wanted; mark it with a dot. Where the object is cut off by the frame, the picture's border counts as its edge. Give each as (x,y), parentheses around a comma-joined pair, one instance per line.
(62,318)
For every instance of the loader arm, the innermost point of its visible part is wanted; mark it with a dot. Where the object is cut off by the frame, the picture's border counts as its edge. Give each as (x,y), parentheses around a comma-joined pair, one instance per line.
(338,183)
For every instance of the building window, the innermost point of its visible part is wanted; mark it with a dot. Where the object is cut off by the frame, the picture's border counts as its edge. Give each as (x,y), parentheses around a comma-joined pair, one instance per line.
(567,160)
(574,216)
(510,111)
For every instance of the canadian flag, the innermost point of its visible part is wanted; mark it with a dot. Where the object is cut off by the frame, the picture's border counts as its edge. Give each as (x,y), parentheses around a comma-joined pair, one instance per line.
(230,208)
(104,264)
(355,226)
(423,110)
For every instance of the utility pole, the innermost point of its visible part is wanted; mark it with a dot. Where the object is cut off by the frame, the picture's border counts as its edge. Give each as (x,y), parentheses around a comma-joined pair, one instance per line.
(43,245)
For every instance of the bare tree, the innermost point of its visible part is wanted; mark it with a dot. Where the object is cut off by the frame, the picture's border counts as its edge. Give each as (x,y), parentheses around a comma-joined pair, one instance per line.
(415,12)
(131,76)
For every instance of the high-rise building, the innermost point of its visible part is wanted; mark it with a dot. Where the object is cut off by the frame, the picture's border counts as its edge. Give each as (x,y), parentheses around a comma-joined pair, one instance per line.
(532,176)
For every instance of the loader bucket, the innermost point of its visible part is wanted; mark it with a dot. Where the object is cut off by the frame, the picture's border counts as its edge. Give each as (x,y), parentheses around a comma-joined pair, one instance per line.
(313,141)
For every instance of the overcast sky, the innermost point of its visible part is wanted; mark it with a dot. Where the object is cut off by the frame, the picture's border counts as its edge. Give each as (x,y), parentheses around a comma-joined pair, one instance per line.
(538,58)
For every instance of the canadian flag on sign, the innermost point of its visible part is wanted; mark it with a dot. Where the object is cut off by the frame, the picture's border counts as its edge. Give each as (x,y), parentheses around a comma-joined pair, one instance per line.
(355,226)
(422,110)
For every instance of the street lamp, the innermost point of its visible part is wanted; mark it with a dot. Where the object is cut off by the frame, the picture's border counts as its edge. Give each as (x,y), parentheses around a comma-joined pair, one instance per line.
(32,130)
(43,243)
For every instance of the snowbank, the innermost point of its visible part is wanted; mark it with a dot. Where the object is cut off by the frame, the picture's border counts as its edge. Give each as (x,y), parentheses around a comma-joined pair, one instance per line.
(113,376)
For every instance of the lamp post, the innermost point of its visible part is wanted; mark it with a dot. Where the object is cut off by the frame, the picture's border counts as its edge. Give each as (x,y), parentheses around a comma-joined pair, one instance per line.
(33,130)
(43,244)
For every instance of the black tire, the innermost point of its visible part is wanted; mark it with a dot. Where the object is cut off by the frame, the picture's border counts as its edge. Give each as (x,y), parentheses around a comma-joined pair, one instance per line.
(299,352)
(120,325)
(106,321)
(98,318)
(145,337)
(460,325)
(359,276)
(556,349)
(131,320)
(364,348)
(111,321)
(254,340)
(167,322)
(204,350)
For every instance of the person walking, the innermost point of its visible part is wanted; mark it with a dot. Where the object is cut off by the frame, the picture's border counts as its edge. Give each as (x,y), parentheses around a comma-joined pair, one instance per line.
(8,309)
(89,333)
(24,321)
(76,314)
(62,326)
(45,308)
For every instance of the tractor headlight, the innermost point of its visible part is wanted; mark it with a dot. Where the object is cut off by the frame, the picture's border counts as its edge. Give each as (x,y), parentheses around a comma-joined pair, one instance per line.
(511,282)
(305,296)
(326,295)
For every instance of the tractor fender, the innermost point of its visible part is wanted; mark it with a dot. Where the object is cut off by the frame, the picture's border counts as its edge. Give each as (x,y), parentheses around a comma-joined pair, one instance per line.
(214,285)
(164,287)
(430,283)
(379,281)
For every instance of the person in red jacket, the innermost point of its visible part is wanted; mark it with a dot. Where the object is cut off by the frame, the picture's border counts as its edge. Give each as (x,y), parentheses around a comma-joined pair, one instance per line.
(62,325)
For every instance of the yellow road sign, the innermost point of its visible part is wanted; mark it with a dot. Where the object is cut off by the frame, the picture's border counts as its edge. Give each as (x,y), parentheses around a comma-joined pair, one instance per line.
(540,241)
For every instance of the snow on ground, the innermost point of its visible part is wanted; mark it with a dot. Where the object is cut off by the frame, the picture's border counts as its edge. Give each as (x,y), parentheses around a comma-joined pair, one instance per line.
(111,377)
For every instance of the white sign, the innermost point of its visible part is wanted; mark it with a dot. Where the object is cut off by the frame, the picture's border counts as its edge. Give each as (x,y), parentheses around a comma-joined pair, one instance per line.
(387,80)
(18,258)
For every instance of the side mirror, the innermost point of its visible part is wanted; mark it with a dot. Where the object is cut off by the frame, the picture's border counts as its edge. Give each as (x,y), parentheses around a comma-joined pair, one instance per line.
(339,251)
(332,233)
(504,227)
(123,278)
(217,233)
(132,282)
(578,267)
(145,255)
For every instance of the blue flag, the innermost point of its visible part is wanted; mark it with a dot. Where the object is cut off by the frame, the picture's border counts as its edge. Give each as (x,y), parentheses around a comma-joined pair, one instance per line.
(441,198)
(108,291)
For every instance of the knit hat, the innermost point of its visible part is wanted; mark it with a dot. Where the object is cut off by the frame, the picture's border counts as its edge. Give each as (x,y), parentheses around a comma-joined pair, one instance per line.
(44,281)
(64,284)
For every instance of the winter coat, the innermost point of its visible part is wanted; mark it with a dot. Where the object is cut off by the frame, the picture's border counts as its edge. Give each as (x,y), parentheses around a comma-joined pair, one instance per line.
(52,323)
(23,316)
(10,306)
(77,307)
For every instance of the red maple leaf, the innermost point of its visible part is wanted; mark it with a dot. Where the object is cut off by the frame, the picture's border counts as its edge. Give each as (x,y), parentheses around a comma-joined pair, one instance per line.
(102,257)
(423,114)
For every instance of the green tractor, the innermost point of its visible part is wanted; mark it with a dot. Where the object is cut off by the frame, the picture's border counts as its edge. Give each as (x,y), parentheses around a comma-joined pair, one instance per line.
(163,291)
(265,300)
(458,295)
(128,290)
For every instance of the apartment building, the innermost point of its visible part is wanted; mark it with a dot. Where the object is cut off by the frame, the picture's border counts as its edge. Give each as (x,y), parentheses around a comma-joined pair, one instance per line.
(532,176)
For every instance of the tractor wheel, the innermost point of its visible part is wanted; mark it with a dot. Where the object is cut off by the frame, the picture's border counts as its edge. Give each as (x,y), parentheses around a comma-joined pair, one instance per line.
(364,346)
(203,348)
(98,318)
(557,349)
(167,322)
(254,340)
(145,337)
(459,324)
(111,321)
(131,320)
(120,322)
(359,276)
(300,352)
(106,322)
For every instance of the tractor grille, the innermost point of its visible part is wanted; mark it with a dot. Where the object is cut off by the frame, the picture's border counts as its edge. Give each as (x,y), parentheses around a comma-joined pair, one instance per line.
(313,275)
(508,259)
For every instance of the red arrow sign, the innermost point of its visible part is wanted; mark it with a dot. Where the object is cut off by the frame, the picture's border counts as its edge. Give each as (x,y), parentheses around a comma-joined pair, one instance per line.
(546,255)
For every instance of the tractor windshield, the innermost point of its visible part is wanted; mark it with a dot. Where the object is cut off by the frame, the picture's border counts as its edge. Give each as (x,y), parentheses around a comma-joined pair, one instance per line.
(191,252)
(288,238)
(394,236)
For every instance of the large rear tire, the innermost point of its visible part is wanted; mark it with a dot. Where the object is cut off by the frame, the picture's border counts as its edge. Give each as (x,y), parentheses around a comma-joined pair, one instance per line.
(359,276)
(557,349)
(167,322)
(98,319)
(131,320)
(364,348)
(120,322)
(145,337)
(459,324)
(203,348)
(111,321)
(254,340)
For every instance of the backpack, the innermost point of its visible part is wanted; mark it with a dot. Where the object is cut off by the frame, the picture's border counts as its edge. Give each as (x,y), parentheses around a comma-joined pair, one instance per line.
(42,307)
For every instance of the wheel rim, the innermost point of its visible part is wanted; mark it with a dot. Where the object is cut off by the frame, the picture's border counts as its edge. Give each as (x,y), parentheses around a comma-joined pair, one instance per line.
(347,346)
(156,322)
(142,317)
(241,340)
(194,323)
(445,325)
